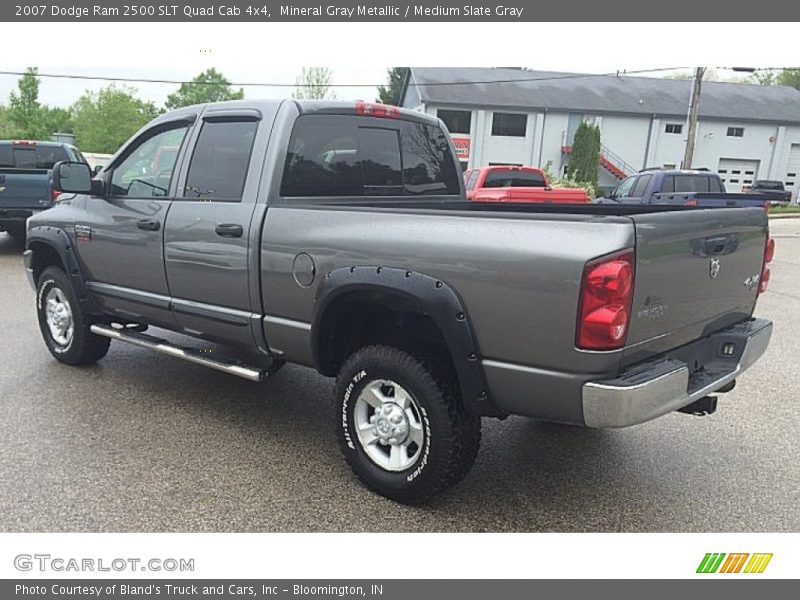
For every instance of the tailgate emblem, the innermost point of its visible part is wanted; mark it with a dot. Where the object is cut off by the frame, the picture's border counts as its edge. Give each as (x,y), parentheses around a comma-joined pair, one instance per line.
(713,268)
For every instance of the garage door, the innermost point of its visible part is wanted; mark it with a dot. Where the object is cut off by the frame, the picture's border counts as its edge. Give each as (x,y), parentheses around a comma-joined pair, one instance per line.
(792,181)
(736,172)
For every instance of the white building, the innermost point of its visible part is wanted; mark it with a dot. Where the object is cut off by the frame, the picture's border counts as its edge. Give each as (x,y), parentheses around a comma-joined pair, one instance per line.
(523,117)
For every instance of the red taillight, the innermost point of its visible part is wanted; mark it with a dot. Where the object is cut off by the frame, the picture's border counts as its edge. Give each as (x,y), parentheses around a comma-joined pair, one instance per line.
(375,109)
(24,143)
(769,254)
(691,202)
(54,194)
(605,302)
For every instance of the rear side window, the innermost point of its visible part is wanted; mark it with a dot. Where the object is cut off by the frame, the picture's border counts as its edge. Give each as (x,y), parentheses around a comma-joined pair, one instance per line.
(31,157)
(641,186)
(496,179)
(220,160)
(335,156)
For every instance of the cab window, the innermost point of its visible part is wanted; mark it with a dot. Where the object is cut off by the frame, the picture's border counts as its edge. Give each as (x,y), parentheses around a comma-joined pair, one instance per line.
(624,189)
(147,170)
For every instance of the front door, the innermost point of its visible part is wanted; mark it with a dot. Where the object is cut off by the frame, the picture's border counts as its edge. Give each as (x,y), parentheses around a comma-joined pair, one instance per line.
(120,241)
(208,249)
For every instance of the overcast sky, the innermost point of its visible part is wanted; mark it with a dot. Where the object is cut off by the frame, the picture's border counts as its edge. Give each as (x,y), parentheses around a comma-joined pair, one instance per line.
(63,92)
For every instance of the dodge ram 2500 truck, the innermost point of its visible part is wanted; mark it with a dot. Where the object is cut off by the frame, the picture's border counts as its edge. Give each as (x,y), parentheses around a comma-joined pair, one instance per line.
(337,236)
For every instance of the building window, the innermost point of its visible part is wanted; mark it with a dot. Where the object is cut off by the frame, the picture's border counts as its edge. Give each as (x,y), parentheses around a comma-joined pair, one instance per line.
(457,121)
(735,132)
(509,124)
(676,128)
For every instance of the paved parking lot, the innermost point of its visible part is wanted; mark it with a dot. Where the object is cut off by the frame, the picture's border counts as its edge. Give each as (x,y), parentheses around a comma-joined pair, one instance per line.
(143,442)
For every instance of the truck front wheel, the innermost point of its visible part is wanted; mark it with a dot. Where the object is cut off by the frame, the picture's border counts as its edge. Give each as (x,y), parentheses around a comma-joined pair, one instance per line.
(401,426)
(64,326)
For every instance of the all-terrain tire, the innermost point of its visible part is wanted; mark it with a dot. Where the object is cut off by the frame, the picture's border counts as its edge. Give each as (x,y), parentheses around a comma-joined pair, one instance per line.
(76,347)
(451,435)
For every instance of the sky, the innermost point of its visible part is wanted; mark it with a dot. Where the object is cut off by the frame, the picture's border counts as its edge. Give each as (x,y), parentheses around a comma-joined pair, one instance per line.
(63,92)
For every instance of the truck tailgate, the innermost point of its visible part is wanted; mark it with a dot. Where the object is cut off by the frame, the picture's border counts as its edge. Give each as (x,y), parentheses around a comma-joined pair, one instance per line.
(696,272)
(24,188)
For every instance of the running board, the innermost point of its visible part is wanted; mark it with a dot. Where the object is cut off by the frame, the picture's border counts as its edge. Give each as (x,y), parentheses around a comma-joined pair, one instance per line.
(188,354)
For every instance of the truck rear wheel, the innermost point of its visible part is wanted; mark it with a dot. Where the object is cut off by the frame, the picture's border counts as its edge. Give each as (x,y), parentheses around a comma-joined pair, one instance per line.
(401,426)
(64,326)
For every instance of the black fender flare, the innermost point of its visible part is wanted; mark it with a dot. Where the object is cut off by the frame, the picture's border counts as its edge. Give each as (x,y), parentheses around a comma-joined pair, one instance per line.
(431,297)
(58,239)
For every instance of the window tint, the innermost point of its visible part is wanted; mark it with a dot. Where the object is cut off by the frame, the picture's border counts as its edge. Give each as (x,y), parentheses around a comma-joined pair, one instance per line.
(514,179)
(428,166)
(332,155)
(220,160)
(691,183)
(31,157)
(509,124)
(641,186)
(668,184)
(716,185)
(456,121)
(147,170)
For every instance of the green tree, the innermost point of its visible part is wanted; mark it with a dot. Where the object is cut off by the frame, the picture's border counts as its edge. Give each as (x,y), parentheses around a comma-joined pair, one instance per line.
(765,77)
(790,76)
(104,120)
(585,159)
(390,93)
(208,86)
(57,120)
(6,126)
(25,112)
(314,83)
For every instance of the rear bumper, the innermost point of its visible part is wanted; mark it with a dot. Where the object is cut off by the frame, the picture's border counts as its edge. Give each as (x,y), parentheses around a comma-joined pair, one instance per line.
(15,217)
(666,383)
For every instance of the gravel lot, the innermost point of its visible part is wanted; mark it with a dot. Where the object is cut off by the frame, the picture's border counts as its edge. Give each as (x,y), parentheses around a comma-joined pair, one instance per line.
(143,442)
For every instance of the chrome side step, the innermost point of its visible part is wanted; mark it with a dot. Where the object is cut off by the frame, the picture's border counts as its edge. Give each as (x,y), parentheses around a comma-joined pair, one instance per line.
(164,347)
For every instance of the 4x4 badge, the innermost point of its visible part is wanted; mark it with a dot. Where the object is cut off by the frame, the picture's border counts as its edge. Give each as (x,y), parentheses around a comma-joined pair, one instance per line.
(713,268)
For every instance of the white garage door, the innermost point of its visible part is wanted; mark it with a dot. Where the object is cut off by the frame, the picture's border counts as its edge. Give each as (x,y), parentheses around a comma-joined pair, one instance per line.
(736,172)
(792,181)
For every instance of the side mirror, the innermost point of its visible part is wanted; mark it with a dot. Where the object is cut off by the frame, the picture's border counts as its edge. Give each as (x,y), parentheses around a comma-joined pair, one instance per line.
(72,177)
(612,195)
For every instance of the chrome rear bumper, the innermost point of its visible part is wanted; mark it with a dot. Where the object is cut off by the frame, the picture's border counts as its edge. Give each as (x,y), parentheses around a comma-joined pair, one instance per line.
(664,384)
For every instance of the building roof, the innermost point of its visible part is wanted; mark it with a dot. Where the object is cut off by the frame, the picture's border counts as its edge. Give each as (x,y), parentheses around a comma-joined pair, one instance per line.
(527,89)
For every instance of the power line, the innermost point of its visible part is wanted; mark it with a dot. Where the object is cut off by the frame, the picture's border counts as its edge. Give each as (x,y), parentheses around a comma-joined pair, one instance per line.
(341,85)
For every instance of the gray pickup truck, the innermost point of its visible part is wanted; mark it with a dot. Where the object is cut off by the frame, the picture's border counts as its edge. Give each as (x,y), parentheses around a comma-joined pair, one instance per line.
(337,236)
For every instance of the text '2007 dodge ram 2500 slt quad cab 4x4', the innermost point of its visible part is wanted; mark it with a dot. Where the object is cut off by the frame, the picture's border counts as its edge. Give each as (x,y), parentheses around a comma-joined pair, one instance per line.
(337,236)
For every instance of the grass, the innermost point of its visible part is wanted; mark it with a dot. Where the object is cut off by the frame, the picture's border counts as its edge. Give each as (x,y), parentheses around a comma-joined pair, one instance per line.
(784,210)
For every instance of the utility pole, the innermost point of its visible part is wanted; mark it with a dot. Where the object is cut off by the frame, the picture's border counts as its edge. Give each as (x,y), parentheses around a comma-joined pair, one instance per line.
(694,106)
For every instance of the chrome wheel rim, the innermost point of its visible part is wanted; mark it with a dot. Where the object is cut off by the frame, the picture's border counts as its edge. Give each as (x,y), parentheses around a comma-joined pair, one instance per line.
(388,425)
(58,314)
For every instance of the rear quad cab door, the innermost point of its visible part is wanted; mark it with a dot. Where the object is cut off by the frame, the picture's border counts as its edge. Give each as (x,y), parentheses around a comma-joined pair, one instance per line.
(210,238)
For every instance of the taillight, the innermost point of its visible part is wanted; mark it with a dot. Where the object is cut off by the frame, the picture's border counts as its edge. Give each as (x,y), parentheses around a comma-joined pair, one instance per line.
(54,194)
(375,109)
(691,202)
(769,254)
(605,302)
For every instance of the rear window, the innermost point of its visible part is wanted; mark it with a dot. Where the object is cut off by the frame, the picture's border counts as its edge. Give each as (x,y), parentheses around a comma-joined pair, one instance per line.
(496,179)
(683,184)
(770,185)
(31,157)
(334,156)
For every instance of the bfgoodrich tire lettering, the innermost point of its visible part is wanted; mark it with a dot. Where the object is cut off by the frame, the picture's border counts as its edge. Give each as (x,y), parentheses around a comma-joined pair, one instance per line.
(439,438)
(73,345)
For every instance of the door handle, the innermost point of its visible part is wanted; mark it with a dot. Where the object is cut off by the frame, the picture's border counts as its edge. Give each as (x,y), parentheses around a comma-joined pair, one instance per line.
(229,230)
(149,224)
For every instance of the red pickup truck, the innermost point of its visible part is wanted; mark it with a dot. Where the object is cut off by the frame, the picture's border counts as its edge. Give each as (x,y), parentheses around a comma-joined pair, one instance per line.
(517,184)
